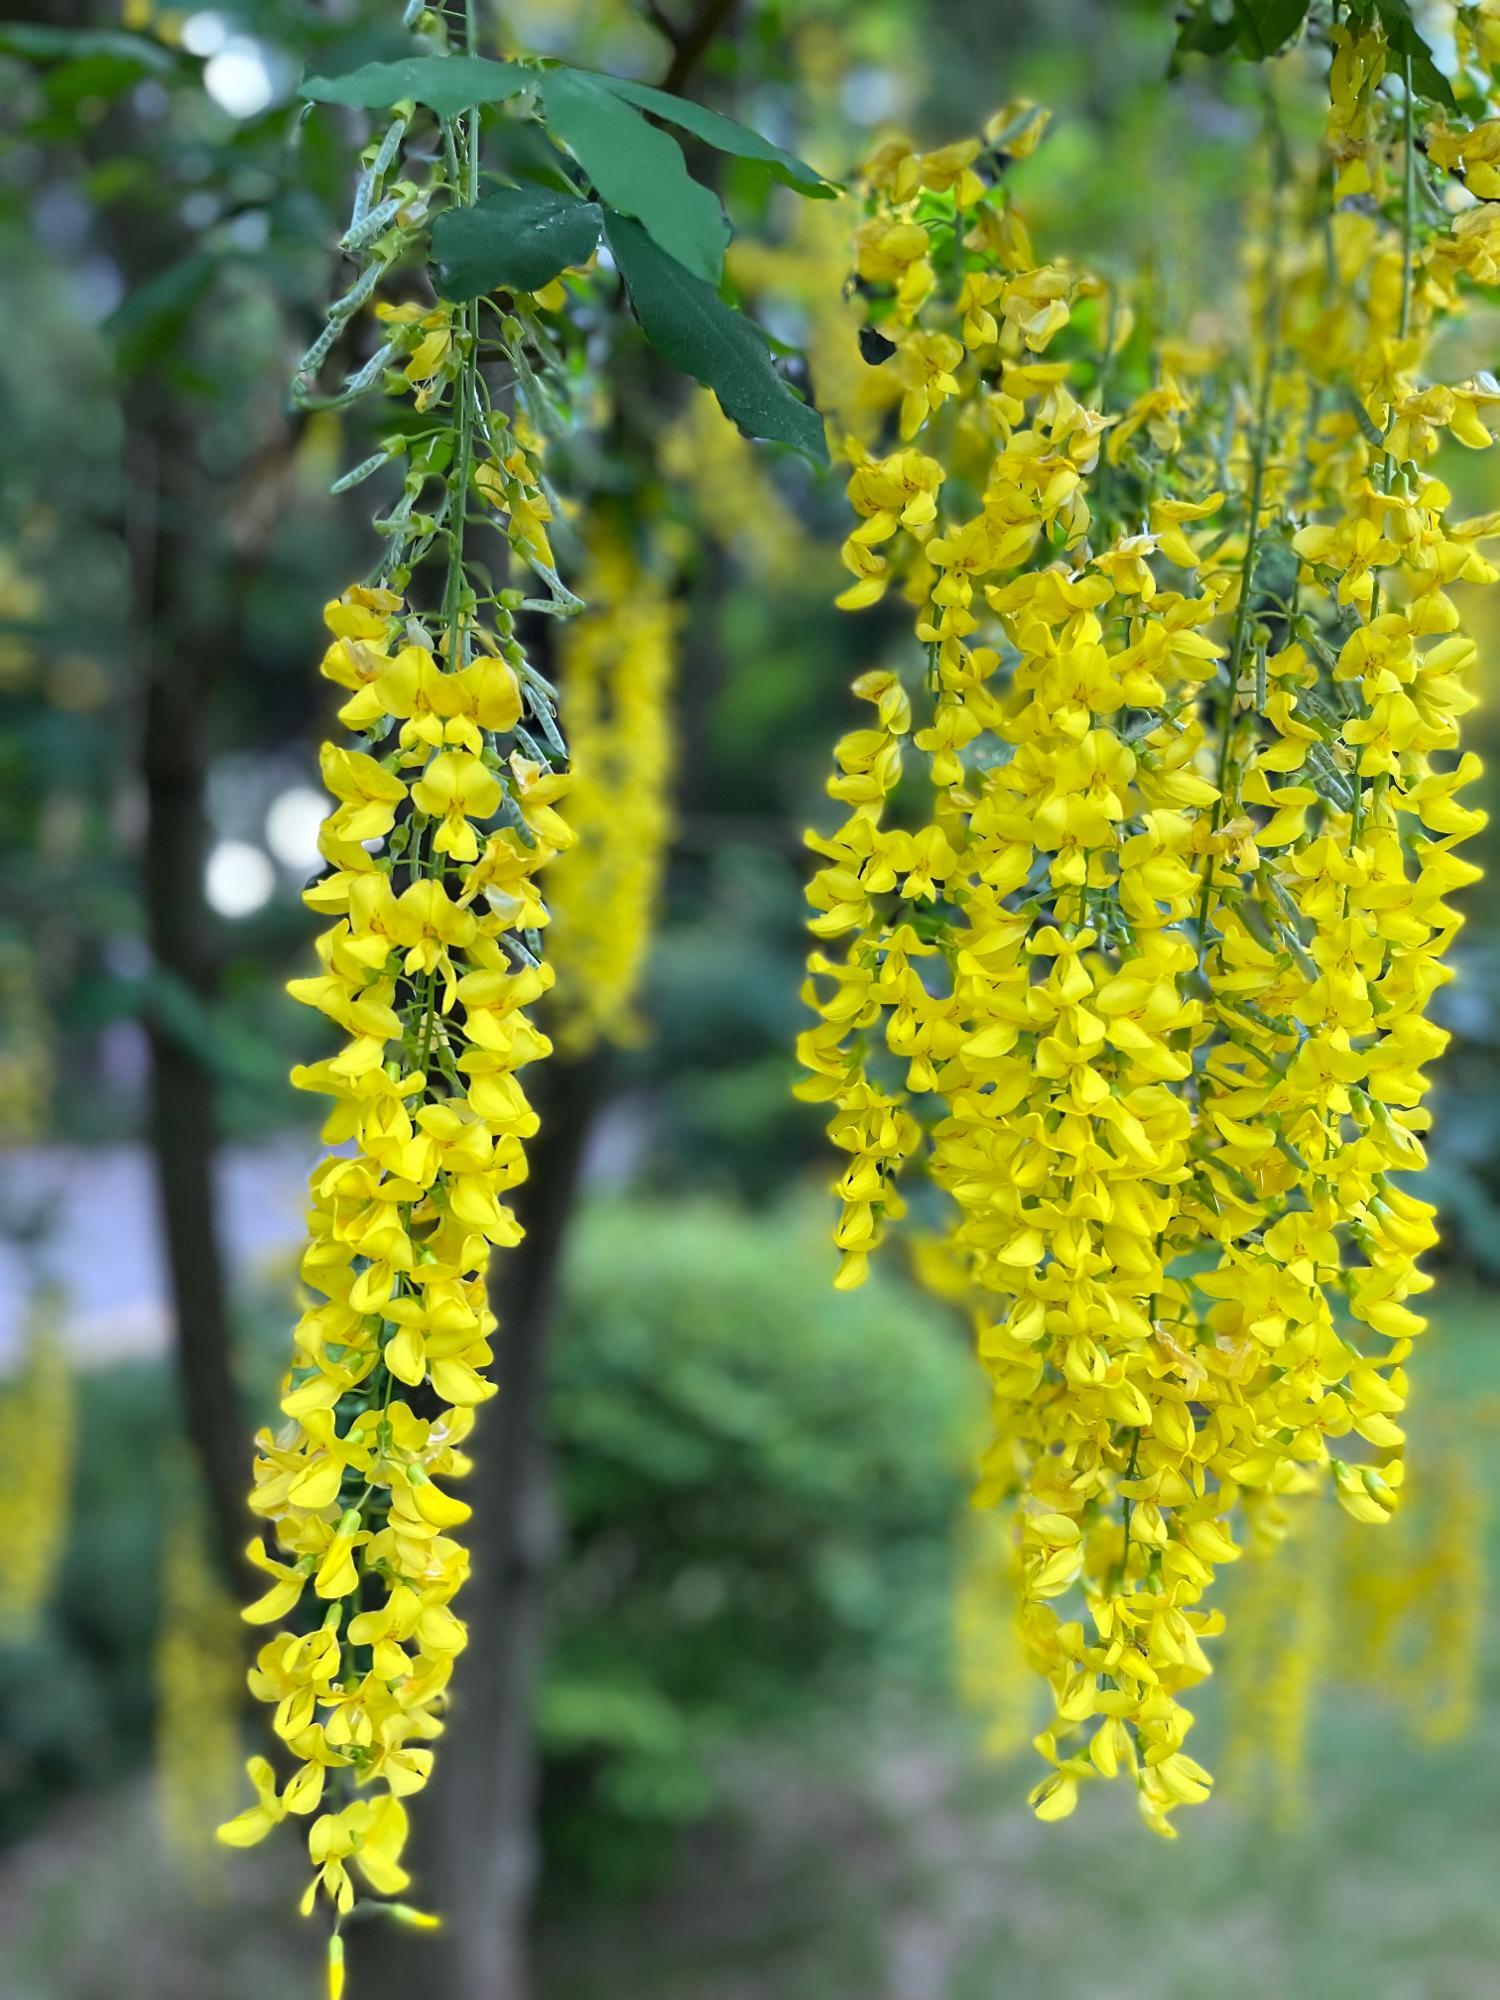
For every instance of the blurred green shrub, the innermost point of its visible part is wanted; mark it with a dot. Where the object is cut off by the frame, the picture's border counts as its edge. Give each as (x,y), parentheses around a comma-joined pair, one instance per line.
(759,1479)
(75,1698)
(718,1071)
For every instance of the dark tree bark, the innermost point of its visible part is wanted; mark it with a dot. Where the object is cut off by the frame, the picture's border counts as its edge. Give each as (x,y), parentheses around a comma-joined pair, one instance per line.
(182,1124)
(490,1828)
(475,1838)
(175,667)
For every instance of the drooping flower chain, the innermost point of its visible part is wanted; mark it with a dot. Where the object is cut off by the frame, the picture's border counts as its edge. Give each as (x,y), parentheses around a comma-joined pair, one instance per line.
(1156,967)
(616,670)
(444,818)
(38,1446)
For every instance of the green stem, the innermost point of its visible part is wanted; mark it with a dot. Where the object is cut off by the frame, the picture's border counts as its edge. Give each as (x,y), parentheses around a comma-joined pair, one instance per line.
(1408,201)
(1127,1510)
(1241,628)
(1408,236)
(429,1016)
(465,386)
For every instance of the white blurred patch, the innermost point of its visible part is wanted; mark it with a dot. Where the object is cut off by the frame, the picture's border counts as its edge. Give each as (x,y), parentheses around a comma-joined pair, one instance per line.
(239,879)
(205,34)
(292,824)
(240,78)
(869,95)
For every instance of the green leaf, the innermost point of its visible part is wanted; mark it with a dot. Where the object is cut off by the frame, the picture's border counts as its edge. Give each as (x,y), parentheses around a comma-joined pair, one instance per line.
(1205,33)
(1258,28)
(1407,41)
(446,84)
(518,150)
(42,44)
(637,169)
(516,239)
(686,321)
(1255,28)
(722,133)
(154,315)
(1268,25)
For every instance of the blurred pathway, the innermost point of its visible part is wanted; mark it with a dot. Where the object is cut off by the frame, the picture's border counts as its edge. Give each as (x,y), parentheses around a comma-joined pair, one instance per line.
(102,1241)
(102,1244)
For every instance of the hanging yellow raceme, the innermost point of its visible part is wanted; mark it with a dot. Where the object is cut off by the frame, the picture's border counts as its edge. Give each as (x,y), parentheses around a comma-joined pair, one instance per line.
(1410,1613)
(617,668)
(38,1437)
(1284,1609)
(733,497)
(1142,891)
(1324,1605)
(444,816)
(445,787)
(38,1396)
(992,1674)
(428,973)
(199,1674)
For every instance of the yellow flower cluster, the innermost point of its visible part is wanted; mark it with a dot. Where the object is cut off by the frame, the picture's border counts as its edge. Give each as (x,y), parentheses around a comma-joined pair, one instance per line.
(1400,1615)
(444,817)
(1144,980)
(992,1675)
(199,1675)
(1278,1654)
(429,966)
(1410,1625)
(1315,1607)
(617,669)
(38,1400)
(27,1073)
(733,496)
(21,602)
(38,1434)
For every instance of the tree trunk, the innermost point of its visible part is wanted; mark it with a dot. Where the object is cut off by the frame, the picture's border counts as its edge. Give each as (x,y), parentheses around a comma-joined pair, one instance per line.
(475,1846)
(490,1827)
(182,1124)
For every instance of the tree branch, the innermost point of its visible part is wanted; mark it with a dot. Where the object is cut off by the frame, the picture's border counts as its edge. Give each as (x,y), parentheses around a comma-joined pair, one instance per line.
(690,42)
(694,44)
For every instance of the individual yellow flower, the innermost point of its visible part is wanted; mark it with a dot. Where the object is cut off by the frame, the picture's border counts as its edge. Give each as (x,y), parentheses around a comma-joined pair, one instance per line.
(456,788)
